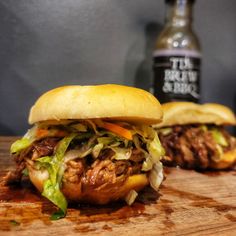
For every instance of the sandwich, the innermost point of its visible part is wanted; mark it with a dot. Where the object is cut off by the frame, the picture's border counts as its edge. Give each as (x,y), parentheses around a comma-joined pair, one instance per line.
(194,136)
(91,144)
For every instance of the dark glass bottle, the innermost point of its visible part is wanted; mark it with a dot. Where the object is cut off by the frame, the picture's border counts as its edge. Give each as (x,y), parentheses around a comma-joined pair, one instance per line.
(177,56)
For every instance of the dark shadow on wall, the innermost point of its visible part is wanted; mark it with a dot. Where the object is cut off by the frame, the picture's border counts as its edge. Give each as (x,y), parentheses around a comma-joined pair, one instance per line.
(16,94)
(143,76)
(4,130)
(225,94)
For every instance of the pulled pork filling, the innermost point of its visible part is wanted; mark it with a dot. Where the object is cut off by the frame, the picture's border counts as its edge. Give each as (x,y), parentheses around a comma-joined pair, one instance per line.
(194,146)
(92,153)
(103,169)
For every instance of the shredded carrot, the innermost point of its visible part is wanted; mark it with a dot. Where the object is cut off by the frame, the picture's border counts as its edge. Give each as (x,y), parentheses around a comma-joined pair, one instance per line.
(117,130)
(40,133)
(60,133)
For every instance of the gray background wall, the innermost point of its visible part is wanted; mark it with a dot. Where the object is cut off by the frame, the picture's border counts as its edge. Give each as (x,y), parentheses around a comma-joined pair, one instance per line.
(48,43)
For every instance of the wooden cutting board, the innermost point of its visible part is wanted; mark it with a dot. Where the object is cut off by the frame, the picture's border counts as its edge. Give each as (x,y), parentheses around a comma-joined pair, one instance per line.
(188,203)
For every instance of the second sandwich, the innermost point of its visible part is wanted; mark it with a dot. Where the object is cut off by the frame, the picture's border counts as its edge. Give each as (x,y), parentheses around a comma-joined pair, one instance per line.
(194,136)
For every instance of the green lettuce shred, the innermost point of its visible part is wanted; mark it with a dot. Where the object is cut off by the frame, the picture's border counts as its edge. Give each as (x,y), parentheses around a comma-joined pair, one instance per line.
(204,128)
(19,145)
(25,141)
(25,172)
(54,166)
(57,215)
(219,137)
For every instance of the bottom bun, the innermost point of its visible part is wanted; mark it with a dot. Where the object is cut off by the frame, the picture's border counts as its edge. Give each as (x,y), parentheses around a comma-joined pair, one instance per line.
(100,195)
(109,193)
(227,160)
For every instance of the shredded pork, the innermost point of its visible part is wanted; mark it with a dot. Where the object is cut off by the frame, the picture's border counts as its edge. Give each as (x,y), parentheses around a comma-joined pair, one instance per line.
(191,147)
(95,173)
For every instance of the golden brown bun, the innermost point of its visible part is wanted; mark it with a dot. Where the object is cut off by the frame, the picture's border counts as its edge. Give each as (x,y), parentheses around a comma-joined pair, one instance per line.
(181,113)
(110,193)
(110,101)
(227,160)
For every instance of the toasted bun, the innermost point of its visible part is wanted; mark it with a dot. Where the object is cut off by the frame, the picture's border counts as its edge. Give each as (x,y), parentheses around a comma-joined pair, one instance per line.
(108,101)
(181,113)
(227,160)
(73,192)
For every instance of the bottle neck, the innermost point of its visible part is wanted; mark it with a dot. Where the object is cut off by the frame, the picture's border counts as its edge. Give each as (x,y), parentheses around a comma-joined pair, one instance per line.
(179,13)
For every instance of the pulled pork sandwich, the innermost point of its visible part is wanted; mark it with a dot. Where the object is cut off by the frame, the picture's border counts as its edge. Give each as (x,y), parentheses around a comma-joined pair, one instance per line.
(91,144)
(194,136)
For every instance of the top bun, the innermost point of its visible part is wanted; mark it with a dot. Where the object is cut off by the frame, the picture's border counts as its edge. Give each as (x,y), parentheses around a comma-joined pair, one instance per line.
(108,101)
(182,113)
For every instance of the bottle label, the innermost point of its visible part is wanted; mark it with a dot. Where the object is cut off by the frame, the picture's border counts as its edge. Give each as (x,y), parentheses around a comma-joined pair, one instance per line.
(177,75)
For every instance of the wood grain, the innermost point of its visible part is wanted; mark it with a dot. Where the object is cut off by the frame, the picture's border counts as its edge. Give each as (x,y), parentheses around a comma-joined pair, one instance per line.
(188,203)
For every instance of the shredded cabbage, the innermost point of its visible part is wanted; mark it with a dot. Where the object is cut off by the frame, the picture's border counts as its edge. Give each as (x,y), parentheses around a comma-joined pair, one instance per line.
(97,149)
(156,176)
(76,153)
(80,127)
(106,140)
(131,196)
(146,132)
(165,131)
(121,153)
(93,125)
(136,142)
(147,164)
(155,149)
